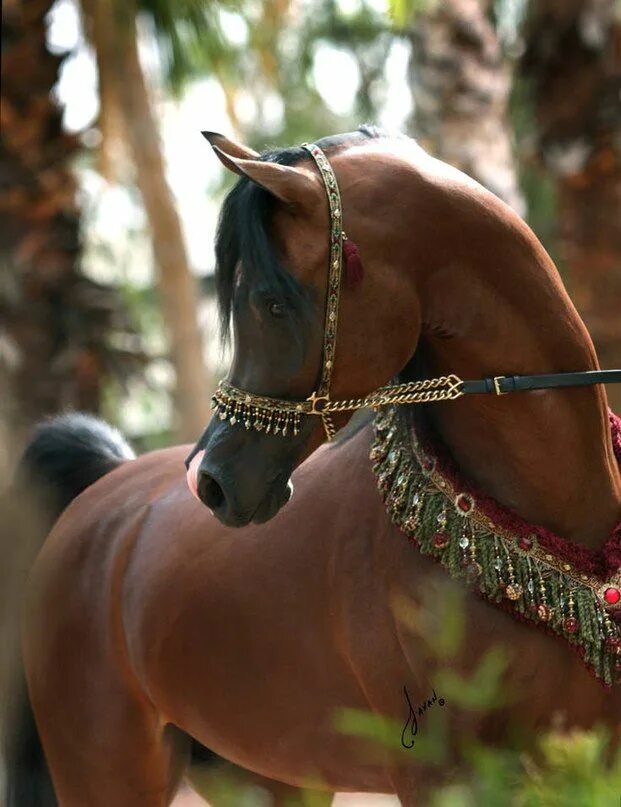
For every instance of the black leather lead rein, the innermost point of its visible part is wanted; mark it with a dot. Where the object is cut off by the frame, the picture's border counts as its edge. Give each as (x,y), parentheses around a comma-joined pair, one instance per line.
(501,385)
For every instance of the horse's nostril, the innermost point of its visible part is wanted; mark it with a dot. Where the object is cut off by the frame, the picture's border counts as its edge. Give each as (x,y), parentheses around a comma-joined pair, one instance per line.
(210,491)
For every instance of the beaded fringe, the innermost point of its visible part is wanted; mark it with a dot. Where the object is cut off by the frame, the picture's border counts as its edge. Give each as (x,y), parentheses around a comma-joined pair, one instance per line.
(511,570)
(252,416)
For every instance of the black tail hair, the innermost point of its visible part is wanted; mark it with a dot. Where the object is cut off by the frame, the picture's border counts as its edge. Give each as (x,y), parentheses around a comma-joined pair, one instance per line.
(66,454)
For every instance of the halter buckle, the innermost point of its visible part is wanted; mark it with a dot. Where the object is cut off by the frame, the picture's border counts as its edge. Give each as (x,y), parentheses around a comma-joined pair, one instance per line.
(497,380)
(317,399)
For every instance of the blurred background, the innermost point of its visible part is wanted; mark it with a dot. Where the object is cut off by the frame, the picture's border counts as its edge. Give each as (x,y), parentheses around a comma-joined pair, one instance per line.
(109,196)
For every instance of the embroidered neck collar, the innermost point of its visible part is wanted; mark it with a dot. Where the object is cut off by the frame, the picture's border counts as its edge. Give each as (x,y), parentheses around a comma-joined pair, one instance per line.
(570,590)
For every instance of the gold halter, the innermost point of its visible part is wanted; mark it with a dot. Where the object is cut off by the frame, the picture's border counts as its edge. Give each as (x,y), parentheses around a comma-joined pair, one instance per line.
(283,416)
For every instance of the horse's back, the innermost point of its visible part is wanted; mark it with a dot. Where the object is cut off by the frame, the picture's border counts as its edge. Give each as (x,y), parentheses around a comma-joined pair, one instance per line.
(79,553)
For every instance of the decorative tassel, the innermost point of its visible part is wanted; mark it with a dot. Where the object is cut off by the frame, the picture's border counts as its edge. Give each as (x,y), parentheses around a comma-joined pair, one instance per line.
(353,263)
(508,567)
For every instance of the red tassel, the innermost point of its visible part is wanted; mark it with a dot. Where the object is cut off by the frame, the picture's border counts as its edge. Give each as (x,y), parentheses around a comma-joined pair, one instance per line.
(353,263)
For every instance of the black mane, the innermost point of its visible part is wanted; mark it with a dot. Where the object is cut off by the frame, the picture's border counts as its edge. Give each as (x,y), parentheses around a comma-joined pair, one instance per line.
(243,234)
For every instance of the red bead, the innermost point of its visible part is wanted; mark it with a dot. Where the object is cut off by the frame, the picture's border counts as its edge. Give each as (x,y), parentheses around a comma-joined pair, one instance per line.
(525,543)
(612,595)
(464,503)
(440,540)
(571,624)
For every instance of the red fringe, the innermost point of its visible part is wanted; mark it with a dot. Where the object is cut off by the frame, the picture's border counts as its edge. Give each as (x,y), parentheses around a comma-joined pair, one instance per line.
(602,563)
(507,607)
(353,263)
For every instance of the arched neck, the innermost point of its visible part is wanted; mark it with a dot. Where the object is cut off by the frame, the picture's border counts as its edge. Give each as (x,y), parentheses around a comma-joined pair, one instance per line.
(495,305)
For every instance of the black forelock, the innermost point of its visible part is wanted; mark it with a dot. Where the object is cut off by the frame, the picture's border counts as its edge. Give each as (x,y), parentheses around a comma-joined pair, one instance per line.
(243,235)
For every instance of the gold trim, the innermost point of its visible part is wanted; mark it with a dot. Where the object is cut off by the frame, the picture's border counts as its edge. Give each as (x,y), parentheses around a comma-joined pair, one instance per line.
(335,265)
(539,586)
(497,380)
(314,400)
(446,487)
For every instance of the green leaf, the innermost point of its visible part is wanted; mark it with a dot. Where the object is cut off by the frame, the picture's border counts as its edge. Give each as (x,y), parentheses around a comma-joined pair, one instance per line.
(484,689)
(403,12)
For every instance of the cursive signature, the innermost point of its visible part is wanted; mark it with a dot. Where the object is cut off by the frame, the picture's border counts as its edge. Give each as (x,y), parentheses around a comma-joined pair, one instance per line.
(410,729)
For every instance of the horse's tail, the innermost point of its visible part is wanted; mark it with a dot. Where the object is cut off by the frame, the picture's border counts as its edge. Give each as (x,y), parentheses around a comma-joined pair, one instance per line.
(66,454)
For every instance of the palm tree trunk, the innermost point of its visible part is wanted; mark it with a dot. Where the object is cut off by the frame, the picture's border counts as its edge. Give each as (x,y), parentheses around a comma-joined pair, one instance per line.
(113,32)
(572,63)
(460,86)
(54,322)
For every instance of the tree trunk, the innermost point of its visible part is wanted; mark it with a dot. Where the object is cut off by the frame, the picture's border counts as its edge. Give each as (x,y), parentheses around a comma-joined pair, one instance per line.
(54,322)
(460,85)
(113,32)
(572,62)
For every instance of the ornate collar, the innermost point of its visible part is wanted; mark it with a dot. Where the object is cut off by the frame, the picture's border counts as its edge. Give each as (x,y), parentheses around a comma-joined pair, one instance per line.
(570,590)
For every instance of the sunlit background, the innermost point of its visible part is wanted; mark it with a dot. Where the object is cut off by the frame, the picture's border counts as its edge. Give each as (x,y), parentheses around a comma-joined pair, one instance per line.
(117,247)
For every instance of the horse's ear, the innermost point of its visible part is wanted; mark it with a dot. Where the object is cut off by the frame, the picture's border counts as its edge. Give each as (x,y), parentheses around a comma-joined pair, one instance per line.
(293,186)
(229,146)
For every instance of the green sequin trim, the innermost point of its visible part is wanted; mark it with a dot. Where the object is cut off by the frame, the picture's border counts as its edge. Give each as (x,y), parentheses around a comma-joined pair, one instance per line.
(507,569)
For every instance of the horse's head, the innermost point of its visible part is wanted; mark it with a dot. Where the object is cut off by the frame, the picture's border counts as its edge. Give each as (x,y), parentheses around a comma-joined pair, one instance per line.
(273,255)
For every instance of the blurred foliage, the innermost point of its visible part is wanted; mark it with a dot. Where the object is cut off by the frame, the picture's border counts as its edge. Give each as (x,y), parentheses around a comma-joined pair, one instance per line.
(507,14)
(276,55)
(190,37)
(403,12)
(562,768)
(280,58)
(482,690)
(569,770)
(538,187)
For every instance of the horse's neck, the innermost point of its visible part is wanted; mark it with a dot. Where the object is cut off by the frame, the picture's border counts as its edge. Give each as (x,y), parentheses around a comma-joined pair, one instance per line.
(499,307)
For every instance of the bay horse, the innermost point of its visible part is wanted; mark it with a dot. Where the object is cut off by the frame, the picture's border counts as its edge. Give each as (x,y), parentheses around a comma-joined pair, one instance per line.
(150,617)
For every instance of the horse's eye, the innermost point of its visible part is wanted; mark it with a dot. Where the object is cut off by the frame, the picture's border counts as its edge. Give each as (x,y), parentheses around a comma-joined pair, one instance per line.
(276,309)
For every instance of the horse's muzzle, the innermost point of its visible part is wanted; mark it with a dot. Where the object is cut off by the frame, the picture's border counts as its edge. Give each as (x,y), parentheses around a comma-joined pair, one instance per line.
(211,488)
